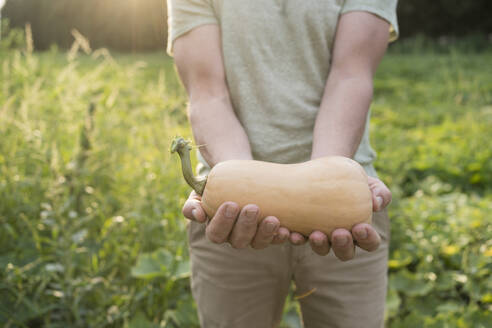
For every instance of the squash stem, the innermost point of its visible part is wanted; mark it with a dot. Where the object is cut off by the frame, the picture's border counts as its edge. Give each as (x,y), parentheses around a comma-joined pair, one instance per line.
(183,147)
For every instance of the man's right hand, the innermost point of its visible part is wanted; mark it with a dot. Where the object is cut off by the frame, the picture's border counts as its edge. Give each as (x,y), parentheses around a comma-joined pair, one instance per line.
(239,227)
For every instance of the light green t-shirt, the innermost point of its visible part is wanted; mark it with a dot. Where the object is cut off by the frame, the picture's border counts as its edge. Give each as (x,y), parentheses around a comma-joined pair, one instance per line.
(277,59)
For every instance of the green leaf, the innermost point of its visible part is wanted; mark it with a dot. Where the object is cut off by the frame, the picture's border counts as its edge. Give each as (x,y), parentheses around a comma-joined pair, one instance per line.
(399,259)
(393,302)
(410,321)
(445,281)
(151,265)
(423,305)
(410,284)
(139,320)
(182,270)
(449,307)
(487,298)
(292,320)
(479,318)
(185,314)
(444,320)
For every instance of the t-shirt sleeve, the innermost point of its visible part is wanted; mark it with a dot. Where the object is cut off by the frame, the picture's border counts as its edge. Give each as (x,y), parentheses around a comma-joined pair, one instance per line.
(184,15)
(385,9)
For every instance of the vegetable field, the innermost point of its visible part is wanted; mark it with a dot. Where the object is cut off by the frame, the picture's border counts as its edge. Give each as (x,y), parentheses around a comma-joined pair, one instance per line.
(90,228)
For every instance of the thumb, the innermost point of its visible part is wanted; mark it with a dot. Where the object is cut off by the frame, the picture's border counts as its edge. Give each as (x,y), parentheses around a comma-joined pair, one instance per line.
(193,210)
(380,198)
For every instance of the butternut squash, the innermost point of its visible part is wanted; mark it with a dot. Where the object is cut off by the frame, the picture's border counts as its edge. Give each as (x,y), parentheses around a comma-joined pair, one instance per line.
(322,194)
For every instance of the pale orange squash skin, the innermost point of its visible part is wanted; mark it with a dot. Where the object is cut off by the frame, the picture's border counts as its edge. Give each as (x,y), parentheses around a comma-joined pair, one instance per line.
(323,194)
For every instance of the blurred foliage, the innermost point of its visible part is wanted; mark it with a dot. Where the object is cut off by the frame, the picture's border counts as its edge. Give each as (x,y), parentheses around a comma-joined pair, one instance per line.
(420,43)
(432,127)
(444,17)
(117,24)
(141,24)
(86,185)
(12,38)
(91,233)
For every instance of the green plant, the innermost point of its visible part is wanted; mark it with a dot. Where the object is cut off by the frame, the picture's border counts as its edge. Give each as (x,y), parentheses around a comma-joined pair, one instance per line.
(90,227)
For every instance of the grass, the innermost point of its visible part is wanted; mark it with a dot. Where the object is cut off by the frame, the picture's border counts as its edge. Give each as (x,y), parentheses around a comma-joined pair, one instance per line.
(90,226)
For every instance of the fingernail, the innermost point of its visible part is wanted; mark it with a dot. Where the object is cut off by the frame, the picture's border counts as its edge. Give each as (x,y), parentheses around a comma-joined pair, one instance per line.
(251,213)
(230,211)
(318,242)
(299,241)
(270,227)
(194,214)
(341,241)
(379,200)
(362,234)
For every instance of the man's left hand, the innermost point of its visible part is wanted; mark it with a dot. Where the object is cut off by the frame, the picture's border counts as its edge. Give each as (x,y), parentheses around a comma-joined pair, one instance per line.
(342,240)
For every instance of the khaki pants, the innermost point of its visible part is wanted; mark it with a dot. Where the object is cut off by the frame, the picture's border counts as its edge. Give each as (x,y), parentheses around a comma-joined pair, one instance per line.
(247,288)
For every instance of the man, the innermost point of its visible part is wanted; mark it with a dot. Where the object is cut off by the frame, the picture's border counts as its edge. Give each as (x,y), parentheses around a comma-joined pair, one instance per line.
(282,81)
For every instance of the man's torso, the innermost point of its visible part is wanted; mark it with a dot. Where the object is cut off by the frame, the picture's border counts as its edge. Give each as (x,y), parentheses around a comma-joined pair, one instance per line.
(277,57)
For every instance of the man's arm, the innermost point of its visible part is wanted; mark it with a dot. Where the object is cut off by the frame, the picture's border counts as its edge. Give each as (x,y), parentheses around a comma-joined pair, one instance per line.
(360,44)
(198,58)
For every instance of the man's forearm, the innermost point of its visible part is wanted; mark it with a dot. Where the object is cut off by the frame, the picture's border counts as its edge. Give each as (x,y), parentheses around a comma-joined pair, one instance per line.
(217,130)
(360,43)
(342,116)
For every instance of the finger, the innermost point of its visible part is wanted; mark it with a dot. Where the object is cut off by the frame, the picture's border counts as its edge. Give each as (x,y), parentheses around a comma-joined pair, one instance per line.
(266,231)
(297,239)
(245,228)
(282,235)
(319,243)
(192,208)
(342,244)
(194,195)
(366,236)
(220,227)
(381,198)
(381,195)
